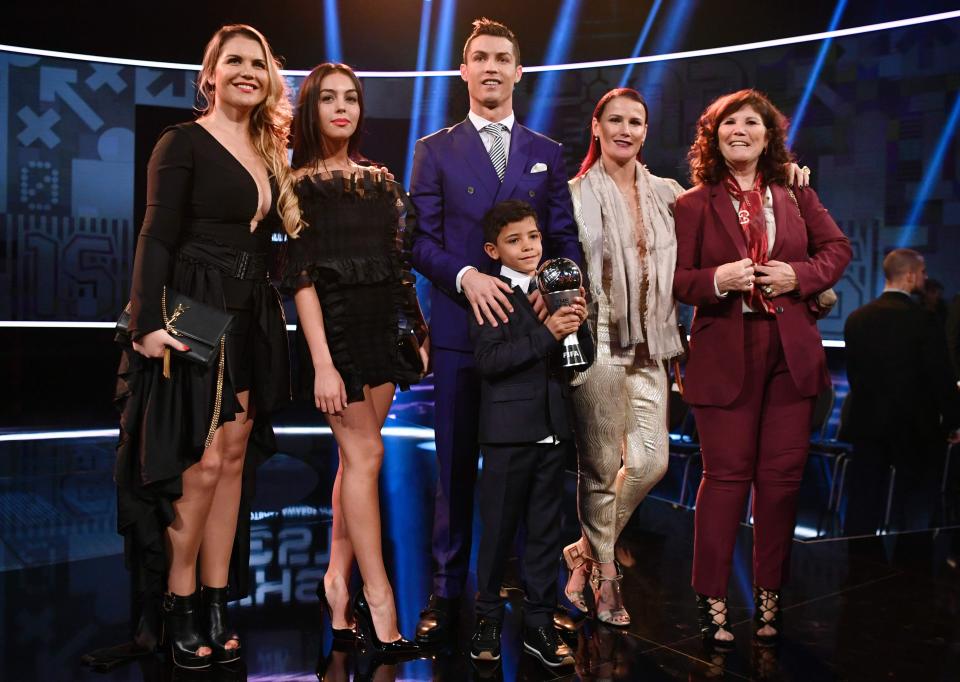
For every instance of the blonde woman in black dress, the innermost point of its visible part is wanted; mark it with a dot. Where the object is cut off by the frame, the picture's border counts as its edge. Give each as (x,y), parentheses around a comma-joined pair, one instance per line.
(359,317)
(189,443)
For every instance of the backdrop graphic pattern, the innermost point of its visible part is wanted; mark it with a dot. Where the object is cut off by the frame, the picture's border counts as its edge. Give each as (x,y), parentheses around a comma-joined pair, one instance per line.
(878,111)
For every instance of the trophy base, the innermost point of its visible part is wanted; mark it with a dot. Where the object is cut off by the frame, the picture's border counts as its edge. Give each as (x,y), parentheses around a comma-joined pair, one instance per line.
(572,356)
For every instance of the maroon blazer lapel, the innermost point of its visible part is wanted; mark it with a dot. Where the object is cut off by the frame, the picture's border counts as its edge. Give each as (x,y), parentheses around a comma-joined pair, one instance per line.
(723,209)
(785,213)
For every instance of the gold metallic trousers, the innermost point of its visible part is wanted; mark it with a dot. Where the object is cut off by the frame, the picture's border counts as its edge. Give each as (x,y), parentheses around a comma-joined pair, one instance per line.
(622,441)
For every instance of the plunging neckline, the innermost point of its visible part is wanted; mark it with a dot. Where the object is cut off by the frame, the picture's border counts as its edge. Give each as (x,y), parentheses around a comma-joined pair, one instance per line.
(256,212)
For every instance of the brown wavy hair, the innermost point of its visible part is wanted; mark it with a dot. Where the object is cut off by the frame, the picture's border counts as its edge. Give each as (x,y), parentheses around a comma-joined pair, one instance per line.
(707,165)
(269,120)
(593,151)
(309,147)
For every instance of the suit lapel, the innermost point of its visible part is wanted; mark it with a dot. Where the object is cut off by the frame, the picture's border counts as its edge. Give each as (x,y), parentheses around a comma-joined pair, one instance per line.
(516,161)
(468,145)
(723,207)
(522,301)
(784,214)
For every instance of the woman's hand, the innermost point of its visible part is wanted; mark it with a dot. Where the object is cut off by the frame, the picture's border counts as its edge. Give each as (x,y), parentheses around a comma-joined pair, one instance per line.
(151,345)
(425,356)
(776,277)
(797,176)
(329,392)
(735,276)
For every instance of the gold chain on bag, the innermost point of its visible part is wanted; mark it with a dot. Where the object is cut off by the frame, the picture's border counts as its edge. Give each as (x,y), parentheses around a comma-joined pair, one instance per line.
(168,324)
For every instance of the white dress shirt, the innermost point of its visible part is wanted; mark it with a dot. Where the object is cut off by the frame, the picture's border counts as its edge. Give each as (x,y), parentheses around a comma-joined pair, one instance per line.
(487,138)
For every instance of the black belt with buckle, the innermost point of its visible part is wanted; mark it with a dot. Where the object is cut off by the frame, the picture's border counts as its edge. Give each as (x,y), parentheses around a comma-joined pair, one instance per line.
(228,260)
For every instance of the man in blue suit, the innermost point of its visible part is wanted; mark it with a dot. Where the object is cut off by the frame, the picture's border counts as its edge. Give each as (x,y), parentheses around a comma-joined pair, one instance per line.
(459,173)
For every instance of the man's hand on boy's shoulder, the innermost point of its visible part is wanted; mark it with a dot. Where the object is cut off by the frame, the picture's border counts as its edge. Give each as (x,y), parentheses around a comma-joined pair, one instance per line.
(487,297)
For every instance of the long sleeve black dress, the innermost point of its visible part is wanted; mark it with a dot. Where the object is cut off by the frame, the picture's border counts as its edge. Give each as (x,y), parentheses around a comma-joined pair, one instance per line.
(195,238)
(355,250)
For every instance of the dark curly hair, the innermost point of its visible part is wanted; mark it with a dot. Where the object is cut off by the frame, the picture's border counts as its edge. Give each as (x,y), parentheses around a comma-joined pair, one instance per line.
(707,165)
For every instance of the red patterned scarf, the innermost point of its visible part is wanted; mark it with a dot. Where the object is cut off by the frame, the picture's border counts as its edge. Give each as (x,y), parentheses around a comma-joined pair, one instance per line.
(754,228)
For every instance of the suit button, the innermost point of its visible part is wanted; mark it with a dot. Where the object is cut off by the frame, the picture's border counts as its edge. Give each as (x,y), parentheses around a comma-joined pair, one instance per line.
(469,190)
(532,194)
(779,309)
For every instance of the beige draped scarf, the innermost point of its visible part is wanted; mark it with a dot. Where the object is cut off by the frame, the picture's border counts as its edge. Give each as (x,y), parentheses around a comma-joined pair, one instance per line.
(601,210)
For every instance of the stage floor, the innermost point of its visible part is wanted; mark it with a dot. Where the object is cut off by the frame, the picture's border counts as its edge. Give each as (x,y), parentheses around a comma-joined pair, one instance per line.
(863,608)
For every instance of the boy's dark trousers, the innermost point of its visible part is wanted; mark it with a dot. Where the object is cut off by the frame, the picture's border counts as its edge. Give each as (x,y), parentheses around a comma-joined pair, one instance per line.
(521,481)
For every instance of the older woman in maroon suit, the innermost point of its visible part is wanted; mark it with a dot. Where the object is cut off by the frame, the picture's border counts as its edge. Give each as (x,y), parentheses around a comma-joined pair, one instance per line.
(752,256)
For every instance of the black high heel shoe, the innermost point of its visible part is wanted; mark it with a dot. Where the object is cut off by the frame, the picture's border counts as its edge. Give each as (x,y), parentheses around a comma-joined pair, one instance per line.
(367,633)
(709,628)
(346,635)
(181,631)
(767,612)
(214,604)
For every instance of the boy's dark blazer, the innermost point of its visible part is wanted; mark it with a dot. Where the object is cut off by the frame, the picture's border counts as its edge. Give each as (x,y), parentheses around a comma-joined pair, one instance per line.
(524,389)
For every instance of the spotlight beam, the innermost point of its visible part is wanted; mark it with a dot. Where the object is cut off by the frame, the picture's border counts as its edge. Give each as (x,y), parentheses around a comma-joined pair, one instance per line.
(559,47)
(814,74)
(331,31)
(417,103)
(641,41)
(930,175)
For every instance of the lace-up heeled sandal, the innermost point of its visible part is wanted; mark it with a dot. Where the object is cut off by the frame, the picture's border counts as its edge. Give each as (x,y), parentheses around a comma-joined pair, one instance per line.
(767,613)
(578,564)
(616,615)
(713,619)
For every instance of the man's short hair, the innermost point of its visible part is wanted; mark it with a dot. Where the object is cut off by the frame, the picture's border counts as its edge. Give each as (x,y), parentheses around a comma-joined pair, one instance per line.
(900,262)
(505,213)
(489,27)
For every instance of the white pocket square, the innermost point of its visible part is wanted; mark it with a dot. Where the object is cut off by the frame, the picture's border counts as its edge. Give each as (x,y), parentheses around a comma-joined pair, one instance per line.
(539,167)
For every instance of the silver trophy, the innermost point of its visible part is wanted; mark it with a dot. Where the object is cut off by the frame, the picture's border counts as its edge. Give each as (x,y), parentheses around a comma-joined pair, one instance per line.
(559,281)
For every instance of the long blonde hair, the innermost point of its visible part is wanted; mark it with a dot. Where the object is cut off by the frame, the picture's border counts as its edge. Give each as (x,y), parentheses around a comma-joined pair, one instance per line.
(269,121)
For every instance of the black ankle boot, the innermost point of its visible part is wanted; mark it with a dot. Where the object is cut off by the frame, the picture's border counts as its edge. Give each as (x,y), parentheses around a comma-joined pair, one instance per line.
(181,632)
(218,631)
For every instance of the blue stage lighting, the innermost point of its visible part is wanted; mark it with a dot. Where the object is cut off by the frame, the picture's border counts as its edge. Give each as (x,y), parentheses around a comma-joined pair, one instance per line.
(331,31)
(437,101)
(417,104)
(541,108)
(814,75)
(930,176)
(641,41)
(668,37)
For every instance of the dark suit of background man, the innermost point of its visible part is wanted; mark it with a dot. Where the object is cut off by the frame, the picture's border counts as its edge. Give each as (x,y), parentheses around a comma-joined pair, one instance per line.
(459,173)
(903,393)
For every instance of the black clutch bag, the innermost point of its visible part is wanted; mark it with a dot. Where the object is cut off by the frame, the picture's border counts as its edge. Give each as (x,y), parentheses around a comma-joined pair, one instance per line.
(199,326)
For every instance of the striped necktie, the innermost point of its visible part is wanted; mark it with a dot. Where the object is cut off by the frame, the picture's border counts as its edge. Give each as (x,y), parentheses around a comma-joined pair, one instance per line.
(498,150)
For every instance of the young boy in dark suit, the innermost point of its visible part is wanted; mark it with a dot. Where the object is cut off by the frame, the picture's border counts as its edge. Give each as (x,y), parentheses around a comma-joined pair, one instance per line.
(523,432)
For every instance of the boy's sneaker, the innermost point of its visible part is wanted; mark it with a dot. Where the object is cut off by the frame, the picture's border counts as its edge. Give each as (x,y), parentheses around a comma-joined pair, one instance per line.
(485,643)
(543,642)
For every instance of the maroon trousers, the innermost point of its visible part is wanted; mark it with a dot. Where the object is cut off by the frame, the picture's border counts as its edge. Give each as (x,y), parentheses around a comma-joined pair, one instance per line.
(760,439)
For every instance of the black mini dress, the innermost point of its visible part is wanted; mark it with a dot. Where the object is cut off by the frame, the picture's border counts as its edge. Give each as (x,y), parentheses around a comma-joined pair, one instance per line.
(196,238)
(355,250)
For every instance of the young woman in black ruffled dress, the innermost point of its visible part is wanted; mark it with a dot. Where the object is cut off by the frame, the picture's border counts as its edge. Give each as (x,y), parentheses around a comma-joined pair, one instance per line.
(359,330)
(189,444)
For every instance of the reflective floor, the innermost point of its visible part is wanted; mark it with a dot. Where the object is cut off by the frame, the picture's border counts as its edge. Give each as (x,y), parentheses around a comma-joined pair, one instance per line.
(862,608)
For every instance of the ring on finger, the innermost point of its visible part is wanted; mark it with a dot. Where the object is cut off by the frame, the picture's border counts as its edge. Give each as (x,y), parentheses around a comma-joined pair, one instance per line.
(806,169)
